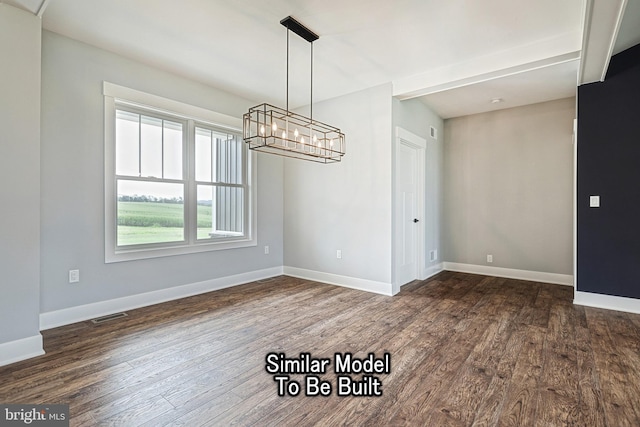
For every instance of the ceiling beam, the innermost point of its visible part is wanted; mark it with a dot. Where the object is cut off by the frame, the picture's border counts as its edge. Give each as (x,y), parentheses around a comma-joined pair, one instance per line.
(602,20)
(541,53)
(497,74)
(42,8)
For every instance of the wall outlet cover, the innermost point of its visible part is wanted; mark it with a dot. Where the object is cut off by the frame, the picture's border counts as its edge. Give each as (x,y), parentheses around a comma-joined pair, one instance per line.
(74,276)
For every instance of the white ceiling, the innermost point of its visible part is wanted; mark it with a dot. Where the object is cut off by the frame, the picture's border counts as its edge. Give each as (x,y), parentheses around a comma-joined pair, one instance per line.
(454,55)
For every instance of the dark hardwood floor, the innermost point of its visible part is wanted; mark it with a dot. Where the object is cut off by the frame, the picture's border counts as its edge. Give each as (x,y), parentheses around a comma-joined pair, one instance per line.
(465,350)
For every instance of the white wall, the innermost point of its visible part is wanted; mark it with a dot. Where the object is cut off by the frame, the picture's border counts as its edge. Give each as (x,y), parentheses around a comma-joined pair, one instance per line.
(72,182)
(20,34)
(508,188)
(417,118)
(346,205)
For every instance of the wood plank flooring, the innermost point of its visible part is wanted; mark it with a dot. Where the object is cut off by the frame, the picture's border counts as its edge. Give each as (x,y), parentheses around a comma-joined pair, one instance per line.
(466,350)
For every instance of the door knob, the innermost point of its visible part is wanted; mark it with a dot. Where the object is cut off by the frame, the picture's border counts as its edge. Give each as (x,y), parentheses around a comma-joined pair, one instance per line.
(415,220)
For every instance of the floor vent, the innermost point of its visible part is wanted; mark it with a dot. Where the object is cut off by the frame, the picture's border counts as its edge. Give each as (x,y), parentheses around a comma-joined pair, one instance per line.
(270,279)
(103,319)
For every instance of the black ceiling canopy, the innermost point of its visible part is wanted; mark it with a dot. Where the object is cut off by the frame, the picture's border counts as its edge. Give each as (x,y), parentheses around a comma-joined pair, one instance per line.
(299,29)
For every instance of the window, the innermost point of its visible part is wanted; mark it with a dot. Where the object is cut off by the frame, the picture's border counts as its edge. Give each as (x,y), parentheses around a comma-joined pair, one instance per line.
(219,178)
(150,181)
(178,179)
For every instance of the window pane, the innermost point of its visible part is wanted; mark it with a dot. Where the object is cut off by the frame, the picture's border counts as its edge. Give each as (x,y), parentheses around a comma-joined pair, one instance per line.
(151,146)
(229,158)
(205,218)
(149,212)
(237,145)
(218,157)
(127,143)
(229,206)
(220,212)
(222,155)
(203,155)
(172,150)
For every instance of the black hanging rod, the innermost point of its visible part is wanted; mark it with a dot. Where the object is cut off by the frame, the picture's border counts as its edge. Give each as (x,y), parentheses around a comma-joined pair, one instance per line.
(299,29)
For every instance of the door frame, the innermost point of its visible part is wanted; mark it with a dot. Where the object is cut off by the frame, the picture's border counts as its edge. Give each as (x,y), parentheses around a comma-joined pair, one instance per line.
(403,136)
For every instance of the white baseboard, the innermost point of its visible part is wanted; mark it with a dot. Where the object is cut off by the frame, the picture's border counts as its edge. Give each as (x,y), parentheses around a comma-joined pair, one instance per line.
(432,271)
(336,279)
(609,302)
(66,316)
(509,273)
(22,349)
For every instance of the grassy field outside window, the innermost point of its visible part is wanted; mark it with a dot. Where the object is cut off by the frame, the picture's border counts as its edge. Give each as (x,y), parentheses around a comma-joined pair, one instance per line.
(151,222)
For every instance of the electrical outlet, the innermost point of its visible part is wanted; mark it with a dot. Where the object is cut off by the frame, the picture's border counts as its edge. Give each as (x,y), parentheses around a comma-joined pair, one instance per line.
(266,250)
(74,276)
(489,258)
(339,254)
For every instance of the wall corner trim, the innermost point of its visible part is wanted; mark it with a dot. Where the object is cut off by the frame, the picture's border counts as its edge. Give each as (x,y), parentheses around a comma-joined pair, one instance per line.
(608,302)
(510,273)
(22,349)
(344,281)
(66,316)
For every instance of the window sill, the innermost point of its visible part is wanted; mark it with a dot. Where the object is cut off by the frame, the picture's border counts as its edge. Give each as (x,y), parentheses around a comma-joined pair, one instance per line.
(148,253)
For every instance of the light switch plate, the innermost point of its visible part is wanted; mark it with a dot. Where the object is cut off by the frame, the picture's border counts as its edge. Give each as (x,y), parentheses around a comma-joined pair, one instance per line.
(594,201)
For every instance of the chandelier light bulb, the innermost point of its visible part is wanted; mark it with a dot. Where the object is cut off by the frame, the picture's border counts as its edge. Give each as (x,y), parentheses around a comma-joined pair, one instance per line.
(284,135)
(315,138)
(295,133)
(262,130)
(331,142)
(274,127)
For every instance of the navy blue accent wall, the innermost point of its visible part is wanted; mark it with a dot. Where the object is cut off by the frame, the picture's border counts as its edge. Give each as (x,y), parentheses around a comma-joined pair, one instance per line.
(609,166)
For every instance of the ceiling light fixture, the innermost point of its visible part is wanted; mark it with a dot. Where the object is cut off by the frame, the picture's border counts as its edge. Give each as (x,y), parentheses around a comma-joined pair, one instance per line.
(497,100)
(279,131)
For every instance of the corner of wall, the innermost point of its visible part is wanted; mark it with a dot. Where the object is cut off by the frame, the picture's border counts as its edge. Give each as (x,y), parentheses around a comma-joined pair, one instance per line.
(20,80)
(22,349)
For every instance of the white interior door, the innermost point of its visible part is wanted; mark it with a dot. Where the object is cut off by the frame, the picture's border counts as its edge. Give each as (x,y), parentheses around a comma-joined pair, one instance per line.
(409,207)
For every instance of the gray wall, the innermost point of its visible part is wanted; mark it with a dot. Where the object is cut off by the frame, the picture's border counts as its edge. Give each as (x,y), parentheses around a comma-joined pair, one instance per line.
(19,174)
(417,118)
(345,205)
(72,181)
(508,191)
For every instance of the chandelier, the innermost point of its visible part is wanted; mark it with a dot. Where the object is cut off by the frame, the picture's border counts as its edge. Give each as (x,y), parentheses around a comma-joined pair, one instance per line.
(279,131)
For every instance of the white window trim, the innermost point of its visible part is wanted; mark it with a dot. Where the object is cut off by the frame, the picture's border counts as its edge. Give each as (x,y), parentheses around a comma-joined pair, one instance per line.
(119,94)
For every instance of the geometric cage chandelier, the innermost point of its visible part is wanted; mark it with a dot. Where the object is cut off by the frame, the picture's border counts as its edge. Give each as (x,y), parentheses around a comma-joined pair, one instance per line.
(274,130)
